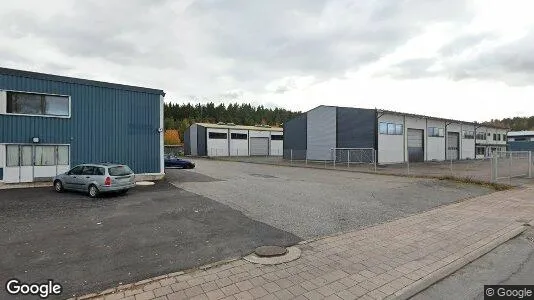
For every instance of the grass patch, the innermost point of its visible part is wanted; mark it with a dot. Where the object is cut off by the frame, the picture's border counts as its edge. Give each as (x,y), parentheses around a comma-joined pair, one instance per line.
(469,180)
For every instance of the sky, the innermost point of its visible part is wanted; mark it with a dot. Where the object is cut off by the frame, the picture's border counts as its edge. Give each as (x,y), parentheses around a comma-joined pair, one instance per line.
(471,60)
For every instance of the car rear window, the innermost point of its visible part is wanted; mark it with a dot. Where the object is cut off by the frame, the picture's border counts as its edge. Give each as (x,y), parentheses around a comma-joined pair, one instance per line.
(120,171)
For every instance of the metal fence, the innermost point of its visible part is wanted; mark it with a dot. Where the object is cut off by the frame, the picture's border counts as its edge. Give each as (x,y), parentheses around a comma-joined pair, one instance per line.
(511,167)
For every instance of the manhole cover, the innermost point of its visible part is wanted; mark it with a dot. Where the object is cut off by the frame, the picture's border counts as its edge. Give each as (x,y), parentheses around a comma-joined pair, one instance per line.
(270,251)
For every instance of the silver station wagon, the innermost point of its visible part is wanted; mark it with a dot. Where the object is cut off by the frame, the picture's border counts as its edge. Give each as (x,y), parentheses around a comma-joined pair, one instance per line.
(96,178)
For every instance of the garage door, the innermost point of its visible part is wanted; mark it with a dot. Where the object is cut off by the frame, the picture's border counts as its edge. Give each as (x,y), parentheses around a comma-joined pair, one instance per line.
(453,145)
(416,149)
(259,146)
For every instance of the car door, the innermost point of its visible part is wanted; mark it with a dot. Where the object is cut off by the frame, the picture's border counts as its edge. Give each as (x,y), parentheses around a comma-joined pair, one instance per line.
(88,176)
(71,178)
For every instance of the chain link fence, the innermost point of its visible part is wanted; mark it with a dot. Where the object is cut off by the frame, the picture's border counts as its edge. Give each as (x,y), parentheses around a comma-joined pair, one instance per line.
(511,167)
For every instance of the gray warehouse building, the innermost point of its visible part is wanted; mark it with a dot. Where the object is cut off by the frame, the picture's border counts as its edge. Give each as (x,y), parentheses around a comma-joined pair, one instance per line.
(228,139)
(394,137)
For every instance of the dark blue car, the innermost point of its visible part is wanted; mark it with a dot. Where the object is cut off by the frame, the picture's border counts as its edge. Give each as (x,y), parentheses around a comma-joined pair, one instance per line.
(175,162)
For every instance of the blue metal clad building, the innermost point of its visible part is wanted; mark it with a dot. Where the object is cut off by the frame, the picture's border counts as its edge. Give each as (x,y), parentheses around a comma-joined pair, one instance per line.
(49,123)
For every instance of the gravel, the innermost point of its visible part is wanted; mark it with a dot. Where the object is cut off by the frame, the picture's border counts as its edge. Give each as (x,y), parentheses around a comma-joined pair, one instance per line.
(314,202)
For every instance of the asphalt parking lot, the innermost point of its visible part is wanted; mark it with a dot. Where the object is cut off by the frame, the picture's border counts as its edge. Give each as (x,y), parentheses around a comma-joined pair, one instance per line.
(90,245)
(217,211)
(315,202)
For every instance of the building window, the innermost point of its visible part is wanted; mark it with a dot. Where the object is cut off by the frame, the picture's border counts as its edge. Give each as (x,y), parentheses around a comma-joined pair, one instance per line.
(469,135)
(480,151)
(63,155)
(436,132)
(218,135)
(238,136)
(277,137)
(383,128)
(481,136)
(391,128)
(399,129)
(37,104)
(45,155)
(12,155)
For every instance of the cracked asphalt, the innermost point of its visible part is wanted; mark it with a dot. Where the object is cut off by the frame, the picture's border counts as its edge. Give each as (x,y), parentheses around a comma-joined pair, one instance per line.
(512,263)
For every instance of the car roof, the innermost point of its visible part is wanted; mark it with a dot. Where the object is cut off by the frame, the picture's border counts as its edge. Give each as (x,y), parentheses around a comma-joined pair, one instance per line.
(102,165)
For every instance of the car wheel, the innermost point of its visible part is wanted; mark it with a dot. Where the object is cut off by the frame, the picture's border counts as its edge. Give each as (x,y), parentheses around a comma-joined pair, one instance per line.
(58,186)
(191,167)
(93,191)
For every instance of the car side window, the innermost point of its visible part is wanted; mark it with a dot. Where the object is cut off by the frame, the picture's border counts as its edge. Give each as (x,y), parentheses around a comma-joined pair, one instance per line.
(88,170)
(100,171)
(76,170)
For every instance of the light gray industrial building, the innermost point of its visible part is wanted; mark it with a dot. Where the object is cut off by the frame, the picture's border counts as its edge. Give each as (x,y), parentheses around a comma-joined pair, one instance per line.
(396,137)
(227,139)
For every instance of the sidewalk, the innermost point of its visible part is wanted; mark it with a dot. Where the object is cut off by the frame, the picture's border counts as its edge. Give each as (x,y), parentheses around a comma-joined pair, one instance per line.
(390,260)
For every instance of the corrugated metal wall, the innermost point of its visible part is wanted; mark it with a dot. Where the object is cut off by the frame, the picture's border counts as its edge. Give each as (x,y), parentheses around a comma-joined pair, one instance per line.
(321,128)
(202,146)
(356,127)
(295,137)
(187,142)
(521,146)
(106,124)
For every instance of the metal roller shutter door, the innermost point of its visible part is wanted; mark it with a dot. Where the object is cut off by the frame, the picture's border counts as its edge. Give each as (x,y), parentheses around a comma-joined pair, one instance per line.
(259,146)
(416,149)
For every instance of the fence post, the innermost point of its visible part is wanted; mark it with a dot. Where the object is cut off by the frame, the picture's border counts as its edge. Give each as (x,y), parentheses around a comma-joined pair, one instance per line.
(530,164)
(374,159)
(306,157)
(291,156)
(348,159)
(334,156)
(452,172)
(510,169)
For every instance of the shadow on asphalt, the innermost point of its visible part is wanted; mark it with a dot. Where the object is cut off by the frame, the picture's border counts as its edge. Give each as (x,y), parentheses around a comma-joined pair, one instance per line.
(89,245)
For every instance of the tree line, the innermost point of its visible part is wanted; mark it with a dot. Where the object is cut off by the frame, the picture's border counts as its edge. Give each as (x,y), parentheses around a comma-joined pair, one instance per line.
(181,116)
(516,123)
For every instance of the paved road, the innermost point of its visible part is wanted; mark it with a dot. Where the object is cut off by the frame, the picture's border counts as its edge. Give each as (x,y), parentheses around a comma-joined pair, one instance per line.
(512,263)
(91,245)
(314,202)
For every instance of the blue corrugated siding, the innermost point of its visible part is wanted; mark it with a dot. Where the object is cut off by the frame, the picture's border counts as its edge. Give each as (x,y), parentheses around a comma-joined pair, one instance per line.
(106,124)
(521,146)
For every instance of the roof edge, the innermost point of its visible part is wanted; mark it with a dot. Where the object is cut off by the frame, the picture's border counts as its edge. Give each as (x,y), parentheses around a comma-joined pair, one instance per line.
(74,80)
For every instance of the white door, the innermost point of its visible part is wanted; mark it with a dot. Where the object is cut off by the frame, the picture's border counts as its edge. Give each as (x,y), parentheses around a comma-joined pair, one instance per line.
(26,163)
(259,146)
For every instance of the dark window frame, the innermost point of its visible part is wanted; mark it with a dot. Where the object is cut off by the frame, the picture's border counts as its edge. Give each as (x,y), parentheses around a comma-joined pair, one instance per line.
(217,135)
(277,137)
(436,132)
(11,109)
(238,136)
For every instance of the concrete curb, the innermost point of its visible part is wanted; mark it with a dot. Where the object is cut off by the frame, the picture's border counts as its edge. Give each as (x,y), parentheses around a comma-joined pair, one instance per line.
(447,270)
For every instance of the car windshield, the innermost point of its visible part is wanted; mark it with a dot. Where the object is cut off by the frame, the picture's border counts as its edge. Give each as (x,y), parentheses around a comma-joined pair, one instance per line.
(120,171)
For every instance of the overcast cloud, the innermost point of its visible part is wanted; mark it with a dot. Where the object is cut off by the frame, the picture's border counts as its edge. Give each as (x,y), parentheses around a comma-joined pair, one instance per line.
(464,59)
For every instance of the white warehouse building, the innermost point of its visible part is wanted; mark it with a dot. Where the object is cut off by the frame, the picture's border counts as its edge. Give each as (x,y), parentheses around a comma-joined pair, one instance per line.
(395,137)
(228,139)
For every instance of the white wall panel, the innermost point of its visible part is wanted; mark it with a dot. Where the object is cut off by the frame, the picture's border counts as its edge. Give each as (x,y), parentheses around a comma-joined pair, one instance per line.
(321,123)
(391,148)
(239,147)
(277,146)
(435,145)
(468,145)
(217,147)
